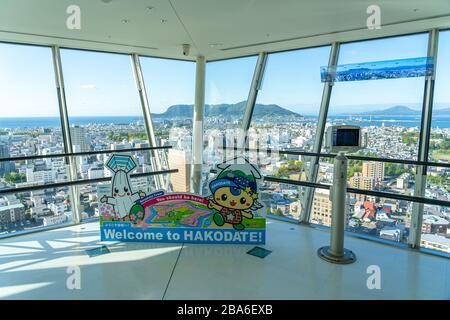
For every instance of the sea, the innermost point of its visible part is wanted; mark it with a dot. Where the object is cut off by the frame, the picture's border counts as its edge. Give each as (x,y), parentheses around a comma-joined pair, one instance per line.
(438,121)
(49,122)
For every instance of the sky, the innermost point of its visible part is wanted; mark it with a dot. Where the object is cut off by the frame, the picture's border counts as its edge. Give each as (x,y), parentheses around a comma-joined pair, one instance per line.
(103,84)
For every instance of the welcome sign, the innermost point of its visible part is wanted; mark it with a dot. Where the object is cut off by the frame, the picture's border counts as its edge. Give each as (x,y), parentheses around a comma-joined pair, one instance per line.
(231,213)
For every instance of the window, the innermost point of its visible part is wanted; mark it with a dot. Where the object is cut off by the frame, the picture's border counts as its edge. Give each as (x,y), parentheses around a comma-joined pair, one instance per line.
(227,87)
(285,118)
(436,221)
(105,113)
(389,110)
(170,87)
(30,122)
(30,125)
(102,101)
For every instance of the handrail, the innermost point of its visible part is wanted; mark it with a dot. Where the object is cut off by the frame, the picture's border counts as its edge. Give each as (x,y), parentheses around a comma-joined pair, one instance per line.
(80,182)
(351,157)
(362,191)
(85,153)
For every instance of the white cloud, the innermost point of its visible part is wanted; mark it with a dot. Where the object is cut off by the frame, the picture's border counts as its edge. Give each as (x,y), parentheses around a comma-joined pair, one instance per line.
(88,86)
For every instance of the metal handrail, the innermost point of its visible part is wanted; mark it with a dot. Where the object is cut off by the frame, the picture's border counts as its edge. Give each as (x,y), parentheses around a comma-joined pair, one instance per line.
(332,155)
(85,153)
(362,191)
(80,182)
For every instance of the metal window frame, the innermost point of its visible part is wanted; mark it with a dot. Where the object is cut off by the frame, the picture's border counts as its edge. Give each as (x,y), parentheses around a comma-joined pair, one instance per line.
(320,131)
(255,87)
(65,128)
(140,85)
(424,144)
(197,126)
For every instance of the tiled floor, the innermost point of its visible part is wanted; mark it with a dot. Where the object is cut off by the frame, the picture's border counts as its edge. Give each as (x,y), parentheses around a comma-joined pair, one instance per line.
(39,266)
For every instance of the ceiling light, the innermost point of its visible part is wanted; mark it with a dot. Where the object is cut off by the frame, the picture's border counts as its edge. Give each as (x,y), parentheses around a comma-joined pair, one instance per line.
(106,1)
(150,8)
(125,21)
(163,20)
(213,45)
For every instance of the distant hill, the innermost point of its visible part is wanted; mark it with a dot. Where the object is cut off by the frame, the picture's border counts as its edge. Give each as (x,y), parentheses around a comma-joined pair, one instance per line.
(396,110)
(403,110)
(445,111)
(225,110)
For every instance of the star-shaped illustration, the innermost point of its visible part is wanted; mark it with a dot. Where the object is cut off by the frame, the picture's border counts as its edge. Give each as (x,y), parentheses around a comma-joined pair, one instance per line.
(230,216)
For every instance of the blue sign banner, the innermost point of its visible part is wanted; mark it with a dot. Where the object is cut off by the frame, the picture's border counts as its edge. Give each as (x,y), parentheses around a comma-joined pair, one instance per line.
(388,69)
(112,231)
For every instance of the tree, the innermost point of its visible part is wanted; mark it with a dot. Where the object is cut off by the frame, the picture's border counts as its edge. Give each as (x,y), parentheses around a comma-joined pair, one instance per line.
(14,177)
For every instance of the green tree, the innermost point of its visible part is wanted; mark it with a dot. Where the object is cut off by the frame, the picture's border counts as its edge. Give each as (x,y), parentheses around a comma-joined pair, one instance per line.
(14,177)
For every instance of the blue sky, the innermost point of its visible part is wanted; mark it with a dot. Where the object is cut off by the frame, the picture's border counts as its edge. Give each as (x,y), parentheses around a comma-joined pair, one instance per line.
(103,84)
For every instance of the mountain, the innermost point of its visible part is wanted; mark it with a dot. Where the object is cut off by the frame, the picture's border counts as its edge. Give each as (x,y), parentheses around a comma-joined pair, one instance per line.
(445,111)
(396,110)
(226,110)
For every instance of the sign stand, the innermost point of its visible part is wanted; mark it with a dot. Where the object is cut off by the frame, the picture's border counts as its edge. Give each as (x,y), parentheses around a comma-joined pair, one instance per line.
(335,252)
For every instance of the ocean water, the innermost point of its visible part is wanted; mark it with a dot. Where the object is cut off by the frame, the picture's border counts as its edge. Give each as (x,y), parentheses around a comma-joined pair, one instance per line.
(439,121)
(49,122)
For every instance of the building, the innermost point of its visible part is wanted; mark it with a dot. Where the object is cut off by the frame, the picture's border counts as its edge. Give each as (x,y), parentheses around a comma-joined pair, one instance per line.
(391,233)
(373,169)
(42,176)
(434,224)
(79,139)
(53,220)
(180,159)
(12,213)
(321,208)
(95,172)
(5,166)
(360,181)
(435,242)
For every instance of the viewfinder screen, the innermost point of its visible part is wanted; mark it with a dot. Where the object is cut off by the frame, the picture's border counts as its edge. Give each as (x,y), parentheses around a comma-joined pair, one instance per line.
(347,138)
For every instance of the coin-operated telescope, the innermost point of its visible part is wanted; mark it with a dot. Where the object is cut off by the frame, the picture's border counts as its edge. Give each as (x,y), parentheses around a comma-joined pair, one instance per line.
(340,139)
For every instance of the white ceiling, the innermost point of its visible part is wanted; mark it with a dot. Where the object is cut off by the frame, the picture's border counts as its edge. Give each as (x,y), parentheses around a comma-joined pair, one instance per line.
(216,29)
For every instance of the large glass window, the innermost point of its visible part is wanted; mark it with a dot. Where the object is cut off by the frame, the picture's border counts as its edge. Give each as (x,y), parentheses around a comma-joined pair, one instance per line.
(30,125)
(170,86)
(389,110)
(105,113)
(102,100)
(285,118)
(227,86)
(29,120)
(436,225)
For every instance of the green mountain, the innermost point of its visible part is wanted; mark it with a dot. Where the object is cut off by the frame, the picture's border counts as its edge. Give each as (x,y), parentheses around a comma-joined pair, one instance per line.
(226,110)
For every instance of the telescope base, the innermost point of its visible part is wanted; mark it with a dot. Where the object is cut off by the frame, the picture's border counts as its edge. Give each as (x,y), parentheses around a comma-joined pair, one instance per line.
(347,258)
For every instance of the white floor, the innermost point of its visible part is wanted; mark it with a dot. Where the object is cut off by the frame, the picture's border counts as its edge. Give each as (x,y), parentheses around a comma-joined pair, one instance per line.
(37,266)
